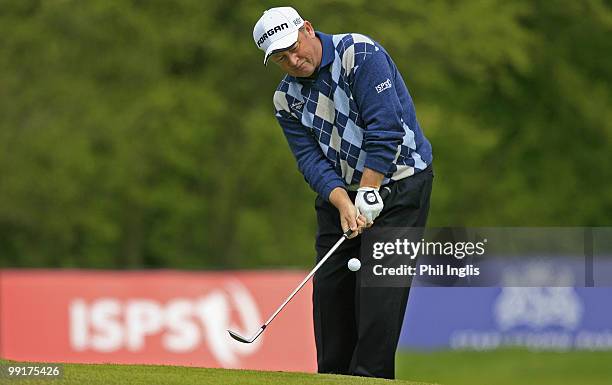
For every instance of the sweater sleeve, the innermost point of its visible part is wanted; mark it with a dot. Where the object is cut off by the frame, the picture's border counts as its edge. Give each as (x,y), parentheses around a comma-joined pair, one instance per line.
(374,91)
(314,166)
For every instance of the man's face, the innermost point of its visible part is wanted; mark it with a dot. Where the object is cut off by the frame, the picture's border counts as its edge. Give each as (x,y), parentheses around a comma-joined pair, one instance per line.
(303,57)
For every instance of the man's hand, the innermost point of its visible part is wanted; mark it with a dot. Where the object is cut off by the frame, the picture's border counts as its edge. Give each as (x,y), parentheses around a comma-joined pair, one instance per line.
(369,203)
(349,215)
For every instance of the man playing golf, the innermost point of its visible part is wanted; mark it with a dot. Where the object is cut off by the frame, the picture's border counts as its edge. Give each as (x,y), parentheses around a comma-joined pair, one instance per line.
(351,125)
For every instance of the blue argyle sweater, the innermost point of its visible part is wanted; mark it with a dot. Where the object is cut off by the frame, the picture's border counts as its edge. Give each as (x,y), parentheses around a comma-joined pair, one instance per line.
(354,112)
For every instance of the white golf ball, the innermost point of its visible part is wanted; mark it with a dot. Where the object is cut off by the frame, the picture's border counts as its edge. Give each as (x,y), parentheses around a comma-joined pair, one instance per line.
(354,264)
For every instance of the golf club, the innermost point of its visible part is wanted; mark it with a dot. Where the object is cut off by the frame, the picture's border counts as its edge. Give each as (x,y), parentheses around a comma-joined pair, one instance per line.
(384,192)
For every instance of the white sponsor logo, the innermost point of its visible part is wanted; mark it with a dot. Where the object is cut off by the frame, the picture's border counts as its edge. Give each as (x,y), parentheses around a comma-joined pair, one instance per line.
(297,105)
(383,86)
(109,324)
(552,317)
(538,307)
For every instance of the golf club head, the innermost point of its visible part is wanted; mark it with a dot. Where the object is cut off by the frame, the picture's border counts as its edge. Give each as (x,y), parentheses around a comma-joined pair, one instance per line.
(242,339)
(238,337)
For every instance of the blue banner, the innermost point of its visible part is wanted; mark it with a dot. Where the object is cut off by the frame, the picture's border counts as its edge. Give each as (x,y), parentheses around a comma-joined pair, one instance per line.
(555,318)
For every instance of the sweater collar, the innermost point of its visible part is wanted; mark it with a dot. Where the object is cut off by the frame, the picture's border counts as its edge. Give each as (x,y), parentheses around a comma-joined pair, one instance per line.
(328,50)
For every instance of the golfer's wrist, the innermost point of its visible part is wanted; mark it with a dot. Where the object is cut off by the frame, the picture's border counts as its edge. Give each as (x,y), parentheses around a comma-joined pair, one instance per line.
(371,178)
(339,198)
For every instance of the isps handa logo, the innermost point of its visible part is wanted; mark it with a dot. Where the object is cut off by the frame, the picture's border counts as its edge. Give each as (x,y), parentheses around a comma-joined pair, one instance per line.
(180,325)
(383,86)
(538,308)
(538,296)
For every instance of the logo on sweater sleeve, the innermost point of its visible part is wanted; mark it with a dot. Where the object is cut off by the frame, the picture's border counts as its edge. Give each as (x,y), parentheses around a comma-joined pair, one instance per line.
(383,86)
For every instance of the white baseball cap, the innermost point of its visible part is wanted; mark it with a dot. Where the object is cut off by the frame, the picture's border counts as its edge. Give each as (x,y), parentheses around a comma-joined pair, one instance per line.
(277,30)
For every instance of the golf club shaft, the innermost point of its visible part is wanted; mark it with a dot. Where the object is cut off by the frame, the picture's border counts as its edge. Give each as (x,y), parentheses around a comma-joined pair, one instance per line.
(383,193)
(312,272)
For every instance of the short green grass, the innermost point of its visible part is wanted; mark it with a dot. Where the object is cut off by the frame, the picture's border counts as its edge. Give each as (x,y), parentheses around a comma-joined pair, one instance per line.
(77,374)
(507,367)
(499,367)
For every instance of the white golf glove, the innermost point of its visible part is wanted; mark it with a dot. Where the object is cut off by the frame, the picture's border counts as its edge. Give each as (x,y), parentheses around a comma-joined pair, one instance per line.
(369,203)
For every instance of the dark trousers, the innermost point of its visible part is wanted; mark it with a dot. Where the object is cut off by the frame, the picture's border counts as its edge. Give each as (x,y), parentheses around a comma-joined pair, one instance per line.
(357,328)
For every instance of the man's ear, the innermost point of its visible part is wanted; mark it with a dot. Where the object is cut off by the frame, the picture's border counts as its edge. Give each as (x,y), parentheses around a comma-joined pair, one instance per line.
(309,29)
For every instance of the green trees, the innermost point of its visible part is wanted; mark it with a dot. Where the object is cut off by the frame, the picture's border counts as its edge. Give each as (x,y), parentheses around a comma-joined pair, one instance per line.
(141,134)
